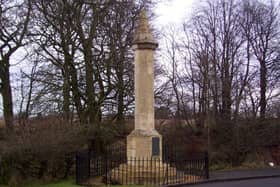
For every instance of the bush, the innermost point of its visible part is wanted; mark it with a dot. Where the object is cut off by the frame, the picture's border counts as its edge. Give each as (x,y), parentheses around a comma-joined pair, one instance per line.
(232,142)
(45,148)
(42,148)
(181,137)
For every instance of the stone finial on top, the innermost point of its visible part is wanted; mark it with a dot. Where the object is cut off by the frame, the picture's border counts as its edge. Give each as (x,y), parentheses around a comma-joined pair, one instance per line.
(143,37)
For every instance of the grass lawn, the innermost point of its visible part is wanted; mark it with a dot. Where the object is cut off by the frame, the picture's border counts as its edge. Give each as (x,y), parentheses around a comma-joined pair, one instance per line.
(58,184)
(68,183)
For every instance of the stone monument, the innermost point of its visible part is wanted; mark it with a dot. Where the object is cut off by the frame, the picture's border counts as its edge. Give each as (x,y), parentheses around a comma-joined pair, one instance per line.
(144,144)
(144,141)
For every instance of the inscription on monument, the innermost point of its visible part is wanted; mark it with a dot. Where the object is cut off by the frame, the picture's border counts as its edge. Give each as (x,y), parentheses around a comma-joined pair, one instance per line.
(155,146)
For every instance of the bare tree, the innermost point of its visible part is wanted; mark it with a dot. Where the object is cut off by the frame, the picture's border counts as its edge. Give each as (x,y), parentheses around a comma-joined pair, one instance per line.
(14,19)
(88,46)
(57,43)
(216,42)
(265,29)
(27,81)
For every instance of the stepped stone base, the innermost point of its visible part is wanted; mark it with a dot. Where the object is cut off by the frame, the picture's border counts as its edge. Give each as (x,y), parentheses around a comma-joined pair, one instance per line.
(148,174)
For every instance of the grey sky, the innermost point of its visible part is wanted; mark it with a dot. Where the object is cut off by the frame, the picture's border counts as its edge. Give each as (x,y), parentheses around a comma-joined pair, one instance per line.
(173,11)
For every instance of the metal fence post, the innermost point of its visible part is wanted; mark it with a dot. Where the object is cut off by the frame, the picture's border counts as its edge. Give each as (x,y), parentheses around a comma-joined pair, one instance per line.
(78,180)
(88,162)
(206,165)
(82,167)
(167,174)
(106,167)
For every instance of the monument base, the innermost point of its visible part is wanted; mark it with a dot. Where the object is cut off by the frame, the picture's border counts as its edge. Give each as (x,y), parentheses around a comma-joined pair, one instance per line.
(156,172)
(144,144)
(159,173)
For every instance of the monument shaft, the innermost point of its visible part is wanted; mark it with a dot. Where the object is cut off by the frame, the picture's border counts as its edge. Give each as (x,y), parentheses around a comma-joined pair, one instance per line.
(144,89)
(144,141)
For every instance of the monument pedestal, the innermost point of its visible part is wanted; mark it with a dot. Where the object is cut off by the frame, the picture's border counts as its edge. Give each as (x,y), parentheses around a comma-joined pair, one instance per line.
(144,144)
(142,173)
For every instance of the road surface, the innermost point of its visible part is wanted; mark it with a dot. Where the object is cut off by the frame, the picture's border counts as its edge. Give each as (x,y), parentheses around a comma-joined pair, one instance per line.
(268,182)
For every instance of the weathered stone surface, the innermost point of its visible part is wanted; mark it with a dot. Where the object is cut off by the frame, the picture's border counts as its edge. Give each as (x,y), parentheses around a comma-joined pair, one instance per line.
(144,89)
(139,142)
(139,145)
(143,33)
(142,132)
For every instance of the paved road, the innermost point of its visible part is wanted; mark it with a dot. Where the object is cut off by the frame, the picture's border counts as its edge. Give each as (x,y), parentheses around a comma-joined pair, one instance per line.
(245,173)
(268,182)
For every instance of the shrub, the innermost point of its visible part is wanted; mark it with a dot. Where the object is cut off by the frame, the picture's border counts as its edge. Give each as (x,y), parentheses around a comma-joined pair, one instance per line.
(42,148)
(232,142)
(45,148)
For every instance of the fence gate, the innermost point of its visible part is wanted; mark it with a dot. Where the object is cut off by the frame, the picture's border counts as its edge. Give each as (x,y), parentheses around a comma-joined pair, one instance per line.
(82,167)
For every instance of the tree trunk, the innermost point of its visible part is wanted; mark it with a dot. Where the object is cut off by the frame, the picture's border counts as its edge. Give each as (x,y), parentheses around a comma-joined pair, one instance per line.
(226,84)
(66,88)
(120,116)
(89,85)
(28,101)
(76,93)
(7,95)
(226,98)
(263,89)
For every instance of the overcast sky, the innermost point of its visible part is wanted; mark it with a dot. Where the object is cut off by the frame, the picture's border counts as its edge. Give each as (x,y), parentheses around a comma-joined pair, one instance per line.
(173,11)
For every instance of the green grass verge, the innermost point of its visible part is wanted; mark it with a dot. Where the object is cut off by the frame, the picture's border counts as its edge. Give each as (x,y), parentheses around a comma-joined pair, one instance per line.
(67,183)
(58,184)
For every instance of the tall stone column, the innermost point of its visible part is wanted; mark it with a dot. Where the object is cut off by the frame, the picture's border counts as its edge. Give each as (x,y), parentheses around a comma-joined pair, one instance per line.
(144,141)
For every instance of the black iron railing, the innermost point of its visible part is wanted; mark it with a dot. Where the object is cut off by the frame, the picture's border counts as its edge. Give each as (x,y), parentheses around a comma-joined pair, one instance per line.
(115,168)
